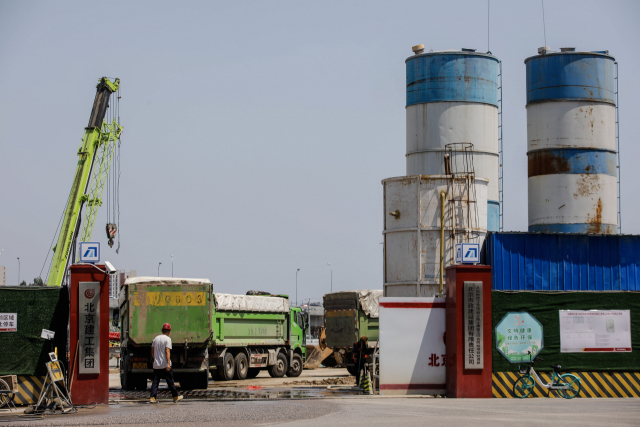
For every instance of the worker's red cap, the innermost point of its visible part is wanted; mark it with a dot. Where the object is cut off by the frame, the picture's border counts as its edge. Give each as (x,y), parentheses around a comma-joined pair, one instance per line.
(166,327)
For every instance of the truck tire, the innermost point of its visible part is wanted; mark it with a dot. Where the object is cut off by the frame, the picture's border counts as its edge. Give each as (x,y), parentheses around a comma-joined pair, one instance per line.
(242,366)
(252,373)
(280,367)
(353,369)
(140,381)
(201,381)
(215,375)
(296,366)
(228,368)
(126,378)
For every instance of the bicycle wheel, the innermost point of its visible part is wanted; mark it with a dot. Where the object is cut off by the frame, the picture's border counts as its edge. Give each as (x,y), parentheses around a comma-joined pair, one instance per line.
(5,399)
(523,387)
(574,386)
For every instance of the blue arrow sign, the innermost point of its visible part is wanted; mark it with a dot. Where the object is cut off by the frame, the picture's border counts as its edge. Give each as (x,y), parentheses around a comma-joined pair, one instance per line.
(90,252)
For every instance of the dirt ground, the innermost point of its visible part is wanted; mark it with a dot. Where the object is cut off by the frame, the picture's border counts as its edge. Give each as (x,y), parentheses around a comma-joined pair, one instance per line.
(308,378)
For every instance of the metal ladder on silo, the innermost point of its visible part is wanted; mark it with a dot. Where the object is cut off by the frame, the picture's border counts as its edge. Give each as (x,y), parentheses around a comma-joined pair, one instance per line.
(459,195)
(500,154)
(618,153)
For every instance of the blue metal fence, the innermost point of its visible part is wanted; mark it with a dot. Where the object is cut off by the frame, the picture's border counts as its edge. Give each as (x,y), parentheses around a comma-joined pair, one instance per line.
(563,262)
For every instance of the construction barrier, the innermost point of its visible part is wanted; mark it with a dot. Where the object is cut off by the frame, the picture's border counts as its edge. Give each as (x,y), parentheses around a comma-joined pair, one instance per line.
(592,384)
(29,388)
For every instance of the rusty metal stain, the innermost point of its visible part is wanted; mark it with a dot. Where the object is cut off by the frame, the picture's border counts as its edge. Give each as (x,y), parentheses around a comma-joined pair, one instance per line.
(595,221)
(547,163)
(587,185)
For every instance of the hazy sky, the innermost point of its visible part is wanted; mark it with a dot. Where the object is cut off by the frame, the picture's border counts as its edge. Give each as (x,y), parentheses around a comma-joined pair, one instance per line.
(256,134)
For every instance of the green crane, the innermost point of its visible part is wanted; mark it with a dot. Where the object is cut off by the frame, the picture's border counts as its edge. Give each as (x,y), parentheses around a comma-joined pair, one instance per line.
(94,160)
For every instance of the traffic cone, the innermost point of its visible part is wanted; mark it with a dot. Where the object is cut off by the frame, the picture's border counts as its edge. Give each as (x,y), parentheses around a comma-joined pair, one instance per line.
(365,382)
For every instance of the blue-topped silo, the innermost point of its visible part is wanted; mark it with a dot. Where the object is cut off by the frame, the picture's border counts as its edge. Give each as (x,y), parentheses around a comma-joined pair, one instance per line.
(571,145)
(452,97)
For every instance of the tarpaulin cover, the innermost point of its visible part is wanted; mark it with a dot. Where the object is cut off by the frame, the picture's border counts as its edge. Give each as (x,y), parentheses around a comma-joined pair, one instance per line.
(165,281)
(24,352)
(368,300)
(545,306)
(228,302)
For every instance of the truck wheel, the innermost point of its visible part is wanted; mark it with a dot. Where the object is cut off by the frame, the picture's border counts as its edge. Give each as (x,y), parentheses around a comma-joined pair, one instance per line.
(185,382)
(353,369)
(242,366)
(140,381)
(125,376)
(280,368)
(228,368)
(252,373)
(296,366)
(201,381)
(215,375)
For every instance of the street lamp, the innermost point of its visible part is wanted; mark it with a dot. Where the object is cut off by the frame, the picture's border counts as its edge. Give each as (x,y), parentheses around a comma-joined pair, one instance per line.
(297,286)
(18,271)
(171,265)
(159,264)
(331,276)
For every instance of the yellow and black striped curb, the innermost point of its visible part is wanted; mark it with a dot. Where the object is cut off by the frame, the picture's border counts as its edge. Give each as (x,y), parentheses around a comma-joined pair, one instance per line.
(29,388)
(592,384)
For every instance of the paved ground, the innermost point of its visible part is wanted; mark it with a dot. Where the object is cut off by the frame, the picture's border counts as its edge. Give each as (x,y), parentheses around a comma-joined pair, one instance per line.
(315,406)
(350,411)
(264,380)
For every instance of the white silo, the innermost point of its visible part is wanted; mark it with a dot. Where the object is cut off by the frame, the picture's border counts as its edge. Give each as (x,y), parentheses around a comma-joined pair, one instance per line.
(571,142)
(452,105)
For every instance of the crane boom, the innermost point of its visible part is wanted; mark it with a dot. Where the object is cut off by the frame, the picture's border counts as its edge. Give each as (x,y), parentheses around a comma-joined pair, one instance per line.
(95,138)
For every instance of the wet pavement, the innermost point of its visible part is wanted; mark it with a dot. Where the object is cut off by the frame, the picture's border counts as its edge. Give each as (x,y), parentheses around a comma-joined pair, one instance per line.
(234,394)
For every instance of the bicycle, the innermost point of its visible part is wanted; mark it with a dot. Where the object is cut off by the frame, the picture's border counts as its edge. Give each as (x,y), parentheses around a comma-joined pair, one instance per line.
(568,385)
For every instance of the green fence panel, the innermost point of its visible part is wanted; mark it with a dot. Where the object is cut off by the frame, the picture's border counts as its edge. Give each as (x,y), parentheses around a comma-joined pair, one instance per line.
(545,307)
(23,352)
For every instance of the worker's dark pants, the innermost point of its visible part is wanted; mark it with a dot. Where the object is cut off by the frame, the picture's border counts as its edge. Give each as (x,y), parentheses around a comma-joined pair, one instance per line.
(359,368)
(162,374)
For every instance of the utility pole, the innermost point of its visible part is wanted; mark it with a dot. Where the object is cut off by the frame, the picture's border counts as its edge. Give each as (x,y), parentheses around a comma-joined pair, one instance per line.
(171,265)
(297,286)
(18,271)
(159,264)
(331,276)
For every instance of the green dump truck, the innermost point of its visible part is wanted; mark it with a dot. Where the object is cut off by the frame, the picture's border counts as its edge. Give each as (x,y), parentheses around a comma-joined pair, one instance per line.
(231,336)
(348,316)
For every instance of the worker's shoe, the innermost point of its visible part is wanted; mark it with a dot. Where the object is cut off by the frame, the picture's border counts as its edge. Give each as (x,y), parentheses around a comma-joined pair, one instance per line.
(153,400)
(177,398)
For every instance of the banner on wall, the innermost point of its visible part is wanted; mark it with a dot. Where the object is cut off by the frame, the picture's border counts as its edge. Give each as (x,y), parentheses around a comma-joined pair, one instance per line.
(599,331)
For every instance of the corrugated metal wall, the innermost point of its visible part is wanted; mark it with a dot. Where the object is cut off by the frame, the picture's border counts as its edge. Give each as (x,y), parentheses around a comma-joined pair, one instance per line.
(564,262)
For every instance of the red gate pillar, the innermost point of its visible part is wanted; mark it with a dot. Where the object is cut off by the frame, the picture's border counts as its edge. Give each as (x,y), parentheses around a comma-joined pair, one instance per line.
(469,366)
(89,334)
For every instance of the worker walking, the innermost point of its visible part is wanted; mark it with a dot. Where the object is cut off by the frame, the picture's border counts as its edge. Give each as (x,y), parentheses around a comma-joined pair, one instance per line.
(161,354)
(360,356)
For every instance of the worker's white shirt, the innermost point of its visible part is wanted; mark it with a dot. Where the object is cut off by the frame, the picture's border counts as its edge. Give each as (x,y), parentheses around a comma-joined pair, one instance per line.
(160,344)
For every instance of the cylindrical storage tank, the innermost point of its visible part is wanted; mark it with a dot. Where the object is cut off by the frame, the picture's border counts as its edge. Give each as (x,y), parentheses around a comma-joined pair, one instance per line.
(452,97)
(412,229)
(571,145)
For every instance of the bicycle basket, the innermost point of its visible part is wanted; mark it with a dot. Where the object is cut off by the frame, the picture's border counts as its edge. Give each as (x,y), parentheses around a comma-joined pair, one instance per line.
(523,370)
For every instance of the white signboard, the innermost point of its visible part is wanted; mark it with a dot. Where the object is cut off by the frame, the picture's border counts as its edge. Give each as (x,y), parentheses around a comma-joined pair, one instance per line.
(585,331)
(8,322)
(412,350)
(89,327)
(473,353)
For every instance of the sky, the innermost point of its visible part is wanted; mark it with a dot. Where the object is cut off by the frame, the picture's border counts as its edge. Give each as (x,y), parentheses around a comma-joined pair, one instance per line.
(256,134)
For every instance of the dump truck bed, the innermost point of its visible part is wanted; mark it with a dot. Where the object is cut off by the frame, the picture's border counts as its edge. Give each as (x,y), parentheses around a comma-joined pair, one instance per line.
(247,320)
(350,315)
(150,302)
